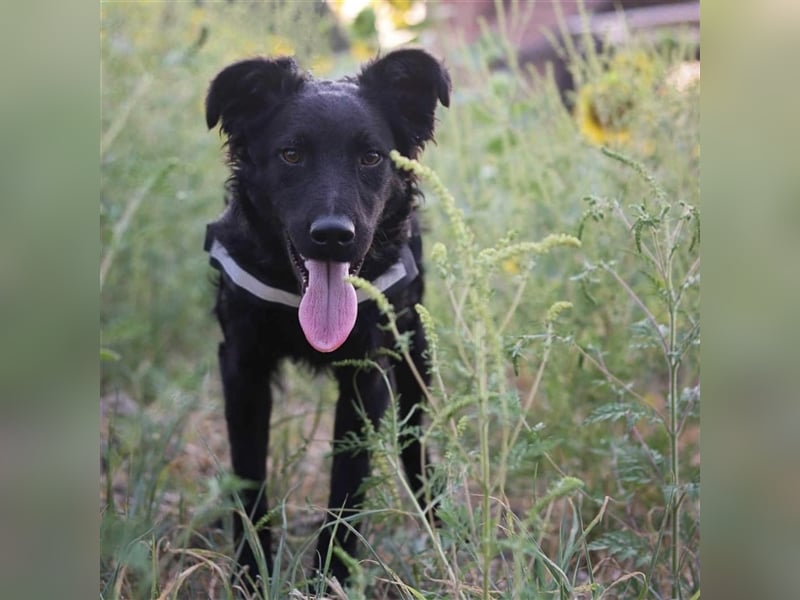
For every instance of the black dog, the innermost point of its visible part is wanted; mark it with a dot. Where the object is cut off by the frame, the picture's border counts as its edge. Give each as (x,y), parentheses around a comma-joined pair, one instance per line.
(313,197)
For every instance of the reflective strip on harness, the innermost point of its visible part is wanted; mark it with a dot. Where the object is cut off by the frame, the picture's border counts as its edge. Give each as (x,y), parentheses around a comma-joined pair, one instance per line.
(400,274)
(247,282)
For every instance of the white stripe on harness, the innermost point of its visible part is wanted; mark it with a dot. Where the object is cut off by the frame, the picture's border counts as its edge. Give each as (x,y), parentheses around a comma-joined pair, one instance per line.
(397,272)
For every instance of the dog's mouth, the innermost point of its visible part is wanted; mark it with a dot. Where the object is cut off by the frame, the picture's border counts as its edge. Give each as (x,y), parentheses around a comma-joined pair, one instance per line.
(328,306)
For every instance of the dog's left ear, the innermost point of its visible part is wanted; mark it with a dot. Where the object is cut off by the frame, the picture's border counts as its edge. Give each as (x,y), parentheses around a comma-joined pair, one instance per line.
(406,85)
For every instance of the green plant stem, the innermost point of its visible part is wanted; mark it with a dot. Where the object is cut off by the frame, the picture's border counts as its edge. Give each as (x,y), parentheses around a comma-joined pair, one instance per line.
(650,317)
(514,304)
(486,534)
(121,226)
(432,535)
(392,323)
(118,124)
(527,403)
(458,312)
(609,375)
(674,364)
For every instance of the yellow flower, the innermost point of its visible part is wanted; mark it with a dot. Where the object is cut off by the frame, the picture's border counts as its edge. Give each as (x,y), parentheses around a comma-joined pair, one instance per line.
(605,106)
(595,122)
(510,266)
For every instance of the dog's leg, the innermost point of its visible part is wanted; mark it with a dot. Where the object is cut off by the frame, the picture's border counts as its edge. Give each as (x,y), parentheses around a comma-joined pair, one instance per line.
(247,409)
(415,460)
(362,393)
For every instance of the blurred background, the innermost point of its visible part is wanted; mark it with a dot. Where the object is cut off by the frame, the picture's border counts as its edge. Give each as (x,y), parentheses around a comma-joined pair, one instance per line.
(579,118)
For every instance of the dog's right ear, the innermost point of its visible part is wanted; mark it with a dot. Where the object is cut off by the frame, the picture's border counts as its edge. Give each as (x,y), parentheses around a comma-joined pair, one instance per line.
(244,88)
(407,84)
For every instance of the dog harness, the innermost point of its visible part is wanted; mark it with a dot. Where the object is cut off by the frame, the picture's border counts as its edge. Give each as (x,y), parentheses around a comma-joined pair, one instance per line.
(394,279)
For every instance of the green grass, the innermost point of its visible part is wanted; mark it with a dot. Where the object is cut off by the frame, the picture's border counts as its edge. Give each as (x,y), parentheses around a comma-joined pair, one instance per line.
(564,410)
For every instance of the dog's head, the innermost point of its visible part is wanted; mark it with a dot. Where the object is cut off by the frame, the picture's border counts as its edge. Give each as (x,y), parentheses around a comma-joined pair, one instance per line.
(312,160)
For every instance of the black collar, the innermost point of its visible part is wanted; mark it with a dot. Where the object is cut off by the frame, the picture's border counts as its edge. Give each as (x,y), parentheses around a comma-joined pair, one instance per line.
(395,278)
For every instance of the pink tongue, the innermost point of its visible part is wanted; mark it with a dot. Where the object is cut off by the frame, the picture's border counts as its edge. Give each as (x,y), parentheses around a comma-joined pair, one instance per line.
(329,306)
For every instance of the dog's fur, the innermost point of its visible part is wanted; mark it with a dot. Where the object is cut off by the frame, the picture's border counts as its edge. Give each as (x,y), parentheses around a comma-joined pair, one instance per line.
(311,179)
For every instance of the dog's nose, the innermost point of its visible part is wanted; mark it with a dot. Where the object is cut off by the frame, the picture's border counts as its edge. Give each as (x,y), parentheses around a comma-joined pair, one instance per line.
(332,231)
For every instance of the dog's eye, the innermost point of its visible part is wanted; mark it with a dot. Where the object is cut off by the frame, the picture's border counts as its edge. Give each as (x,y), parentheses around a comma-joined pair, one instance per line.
(291,156)
(370,159)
